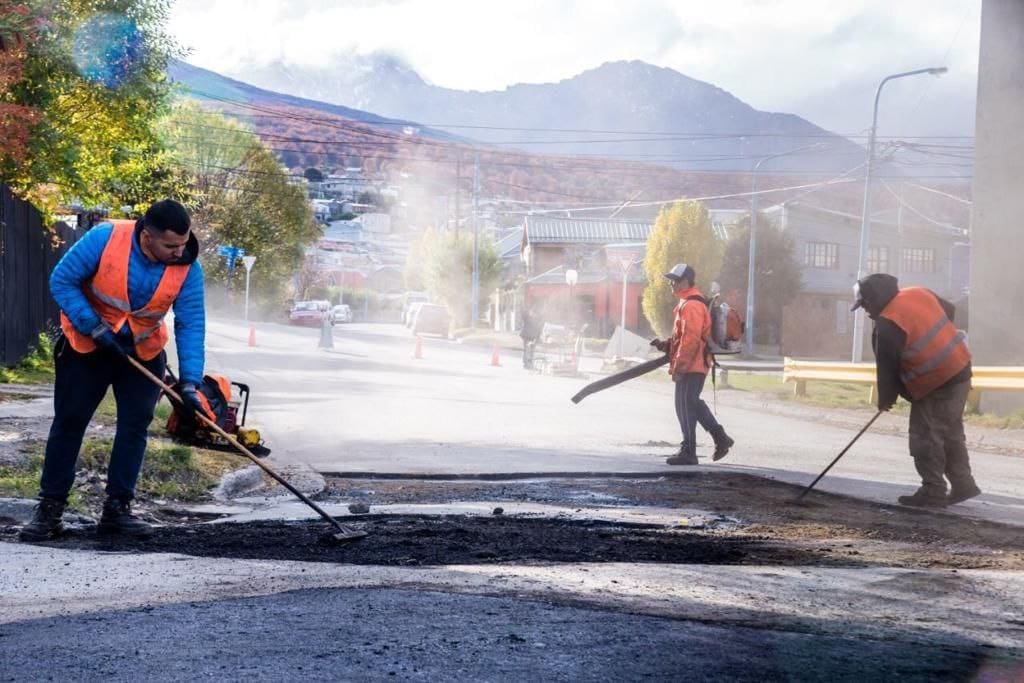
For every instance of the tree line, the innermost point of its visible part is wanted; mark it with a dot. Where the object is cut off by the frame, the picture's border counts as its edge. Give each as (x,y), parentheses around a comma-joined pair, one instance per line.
(89,118)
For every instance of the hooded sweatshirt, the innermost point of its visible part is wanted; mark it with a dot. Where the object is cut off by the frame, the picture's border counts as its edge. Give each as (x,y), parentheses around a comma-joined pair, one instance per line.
(690,331)
(889,341)
(81,262)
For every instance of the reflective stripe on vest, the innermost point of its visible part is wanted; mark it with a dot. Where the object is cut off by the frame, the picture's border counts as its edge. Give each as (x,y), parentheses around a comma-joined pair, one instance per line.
(107,291)
(935,350)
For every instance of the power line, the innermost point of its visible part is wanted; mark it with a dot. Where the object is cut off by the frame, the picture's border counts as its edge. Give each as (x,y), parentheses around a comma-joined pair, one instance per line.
(689,199)
(680,134)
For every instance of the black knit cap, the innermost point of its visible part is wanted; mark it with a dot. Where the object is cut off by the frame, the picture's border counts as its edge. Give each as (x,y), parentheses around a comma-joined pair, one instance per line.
(167,214)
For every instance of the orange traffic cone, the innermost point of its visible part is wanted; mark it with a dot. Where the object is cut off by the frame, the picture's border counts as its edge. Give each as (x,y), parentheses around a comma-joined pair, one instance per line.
(252,335)
(495,359)
(419,348)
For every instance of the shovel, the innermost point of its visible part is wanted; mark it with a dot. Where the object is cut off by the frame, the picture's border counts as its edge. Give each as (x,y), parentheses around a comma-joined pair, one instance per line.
(344,534)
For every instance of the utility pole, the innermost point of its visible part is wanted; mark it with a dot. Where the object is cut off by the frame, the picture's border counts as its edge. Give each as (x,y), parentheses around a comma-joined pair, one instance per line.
(458,192)
(475,290)
(897,265)
(752,250)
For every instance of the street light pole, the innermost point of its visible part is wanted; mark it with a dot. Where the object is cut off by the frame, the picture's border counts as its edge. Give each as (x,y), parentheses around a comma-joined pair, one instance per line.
(475,284)
(248,261)
(865,220)
(626,266)
(752,255)
(571,278)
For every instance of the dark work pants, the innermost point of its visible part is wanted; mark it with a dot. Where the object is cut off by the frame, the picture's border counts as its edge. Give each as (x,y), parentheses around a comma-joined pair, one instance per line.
(80,384)
(691,409)
(937,441)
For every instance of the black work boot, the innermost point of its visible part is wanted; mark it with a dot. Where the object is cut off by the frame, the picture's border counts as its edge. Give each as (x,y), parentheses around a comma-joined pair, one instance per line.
(46,521)
(685,456)
(117,518)
(958,494)
(923,498)
(723,442)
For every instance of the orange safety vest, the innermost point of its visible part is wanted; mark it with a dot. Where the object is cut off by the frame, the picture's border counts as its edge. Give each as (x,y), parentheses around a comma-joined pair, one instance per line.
(107,291)
(935,350)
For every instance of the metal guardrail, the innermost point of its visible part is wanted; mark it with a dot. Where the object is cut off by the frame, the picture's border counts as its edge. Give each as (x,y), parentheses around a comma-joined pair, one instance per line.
(985,378)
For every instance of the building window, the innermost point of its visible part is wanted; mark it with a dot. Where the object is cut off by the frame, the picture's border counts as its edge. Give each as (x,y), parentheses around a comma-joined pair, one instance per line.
(821,255)
(918,260)
(878,260)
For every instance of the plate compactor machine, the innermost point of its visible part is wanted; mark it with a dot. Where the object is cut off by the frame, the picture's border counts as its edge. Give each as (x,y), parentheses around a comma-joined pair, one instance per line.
(226,404)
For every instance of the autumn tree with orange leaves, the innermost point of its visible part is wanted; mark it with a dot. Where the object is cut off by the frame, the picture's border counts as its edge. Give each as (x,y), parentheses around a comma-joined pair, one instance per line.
(83,84)
(19,26)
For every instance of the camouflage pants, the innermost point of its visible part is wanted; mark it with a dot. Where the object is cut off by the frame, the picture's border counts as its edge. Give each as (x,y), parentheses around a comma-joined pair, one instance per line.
(937,441)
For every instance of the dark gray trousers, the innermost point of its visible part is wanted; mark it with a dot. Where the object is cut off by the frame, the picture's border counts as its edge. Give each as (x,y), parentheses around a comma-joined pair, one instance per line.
(937,441)
(691,409)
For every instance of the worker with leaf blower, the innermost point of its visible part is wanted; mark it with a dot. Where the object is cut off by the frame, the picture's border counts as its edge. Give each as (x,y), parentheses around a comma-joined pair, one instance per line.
(690,360)
(922,356)
(114,287)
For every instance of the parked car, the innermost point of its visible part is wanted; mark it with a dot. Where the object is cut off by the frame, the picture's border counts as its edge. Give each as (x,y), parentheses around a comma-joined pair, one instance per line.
(411,315)
(309,313)
(341,314)
(431,319)
(410,299)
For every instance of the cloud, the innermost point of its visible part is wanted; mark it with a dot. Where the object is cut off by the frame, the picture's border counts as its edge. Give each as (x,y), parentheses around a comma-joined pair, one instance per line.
(775,54)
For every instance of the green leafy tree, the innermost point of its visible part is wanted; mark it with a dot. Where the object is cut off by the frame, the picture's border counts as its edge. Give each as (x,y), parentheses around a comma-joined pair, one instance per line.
(95,80)
(209,147)
(448,272)
(682,234)
(260,211)
(778,277)
(244,199)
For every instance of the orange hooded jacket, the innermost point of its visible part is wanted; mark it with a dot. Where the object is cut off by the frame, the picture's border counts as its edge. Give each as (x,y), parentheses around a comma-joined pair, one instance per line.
(690,332)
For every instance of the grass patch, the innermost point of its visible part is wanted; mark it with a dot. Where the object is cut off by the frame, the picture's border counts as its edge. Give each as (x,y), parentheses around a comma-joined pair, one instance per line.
(106,413)
(34,368)
(171,471)
(846,395)
(21,481)
(1014,420)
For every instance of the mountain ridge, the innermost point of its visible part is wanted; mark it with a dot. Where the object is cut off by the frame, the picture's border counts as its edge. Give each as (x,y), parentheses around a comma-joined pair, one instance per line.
(694,125)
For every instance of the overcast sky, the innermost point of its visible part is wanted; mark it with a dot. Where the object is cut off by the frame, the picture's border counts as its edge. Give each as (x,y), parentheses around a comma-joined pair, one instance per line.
(821,59)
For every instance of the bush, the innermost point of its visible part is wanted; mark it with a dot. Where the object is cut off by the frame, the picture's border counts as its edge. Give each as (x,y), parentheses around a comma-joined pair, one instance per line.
(36,367)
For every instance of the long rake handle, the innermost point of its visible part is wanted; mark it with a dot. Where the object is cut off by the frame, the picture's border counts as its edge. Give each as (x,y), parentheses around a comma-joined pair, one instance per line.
(238,446)
(841,454)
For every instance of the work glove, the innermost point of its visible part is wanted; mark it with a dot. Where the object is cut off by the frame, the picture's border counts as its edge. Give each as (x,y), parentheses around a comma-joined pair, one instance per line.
(108,340)
(190,398)
(886,406)
(661,345)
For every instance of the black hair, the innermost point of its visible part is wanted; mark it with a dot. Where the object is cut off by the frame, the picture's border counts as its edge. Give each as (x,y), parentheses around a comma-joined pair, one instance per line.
(167,214)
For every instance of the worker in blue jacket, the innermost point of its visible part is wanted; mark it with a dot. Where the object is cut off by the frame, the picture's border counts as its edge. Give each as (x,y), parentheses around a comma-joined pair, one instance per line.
(114,287)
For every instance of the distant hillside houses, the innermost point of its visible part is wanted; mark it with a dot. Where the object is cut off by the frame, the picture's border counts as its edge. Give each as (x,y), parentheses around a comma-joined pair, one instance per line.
(359,253)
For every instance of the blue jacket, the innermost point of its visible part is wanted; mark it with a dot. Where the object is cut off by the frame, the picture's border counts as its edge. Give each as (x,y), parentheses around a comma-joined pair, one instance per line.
(80,264)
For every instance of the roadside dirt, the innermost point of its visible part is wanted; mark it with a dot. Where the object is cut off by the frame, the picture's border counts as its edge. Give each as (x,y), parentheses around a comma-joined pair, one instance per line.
(753,522)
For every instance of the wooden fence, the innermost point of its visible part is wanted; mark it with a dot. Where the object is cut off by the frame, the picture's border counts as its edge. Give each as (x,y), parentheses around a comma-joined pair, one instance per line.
(28,252)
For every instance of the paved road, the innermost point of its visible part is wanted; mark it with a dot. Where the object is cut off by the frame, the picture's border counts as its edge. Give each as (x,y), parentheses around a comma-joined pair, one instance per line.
(84,615)
(368,406)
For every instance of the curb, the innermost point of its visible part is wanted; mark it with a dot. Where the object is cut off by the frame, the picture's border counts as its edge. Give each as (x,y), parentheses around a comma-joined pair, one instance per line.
(252,482)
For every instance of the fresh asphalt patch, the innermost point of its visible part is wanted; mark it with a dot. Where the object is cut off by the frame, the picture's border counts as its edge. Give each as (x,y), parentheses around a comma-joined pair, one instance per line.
(832,531)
